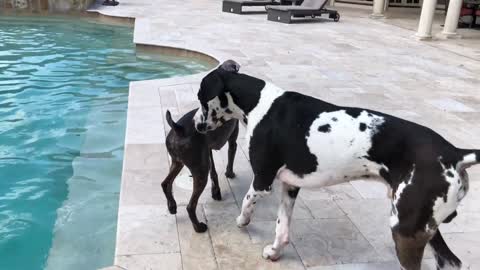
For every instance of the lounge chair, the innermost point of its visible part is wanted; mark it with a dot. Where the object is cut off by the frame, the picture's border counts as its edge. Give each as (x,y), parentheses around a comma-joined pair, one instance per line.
(309,8)
(235,6)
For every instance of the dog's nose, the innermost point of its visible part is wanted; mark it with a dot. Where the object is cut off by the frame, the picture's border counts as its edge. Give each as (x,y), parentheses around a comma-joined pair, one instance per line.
(202,127)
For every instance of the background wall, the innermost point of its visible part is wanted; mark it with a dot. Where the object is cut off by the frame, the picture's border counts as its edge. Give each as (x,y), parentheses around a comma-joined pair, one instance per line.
(44,5)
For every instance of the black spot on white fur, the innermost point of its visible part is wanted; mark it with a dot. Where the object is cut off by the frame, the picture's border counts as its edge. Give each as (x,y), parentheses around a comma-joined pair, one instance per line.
(325,128)
(363,126)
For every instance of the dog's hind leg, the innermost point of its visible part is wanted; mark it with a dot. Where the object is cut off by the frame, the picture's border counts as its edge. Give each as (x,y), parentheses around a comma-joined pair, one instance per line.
(443,255)
(200,178)
(216,193)
(175,169)
(289,195)
(232,149)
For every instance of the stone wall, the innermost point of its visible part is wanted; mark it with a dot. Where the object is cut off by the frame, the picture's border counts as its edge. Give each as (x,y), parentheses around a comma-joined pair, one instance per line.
(46,5)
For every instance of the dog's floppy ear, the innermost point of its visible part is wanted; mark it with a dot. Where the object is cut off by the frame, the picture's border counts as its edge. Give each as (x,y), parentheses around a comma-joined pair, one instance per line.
(230,66)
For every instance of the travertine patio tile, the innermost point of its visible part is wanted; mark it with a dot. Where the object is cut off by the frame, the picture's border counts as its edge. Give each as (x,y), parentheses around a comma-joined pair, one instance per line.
(170,261)
(140,187)
(222,226)
(112,268)
(371,189)
(331,241)
(450,105)
(146,229)
(145,157)
(426,265)
(239,257)
(466,246)
(371,217)
(139,120)
(168,100)
(324,208)
(336,192)
(196,248)
(143,94)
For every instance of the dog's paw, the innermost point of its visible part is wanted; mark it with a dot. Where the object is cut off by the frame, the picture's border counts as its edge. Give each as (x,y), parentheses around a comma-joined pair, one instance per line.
(172,208)
(269,253)
(216,195)
(200,228)
(242,221)
(230,174)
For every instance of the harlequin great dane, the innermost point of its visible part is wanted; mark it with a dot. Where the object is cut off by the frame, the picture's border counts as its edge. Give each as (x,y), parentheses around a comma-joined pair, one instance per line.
(306,142)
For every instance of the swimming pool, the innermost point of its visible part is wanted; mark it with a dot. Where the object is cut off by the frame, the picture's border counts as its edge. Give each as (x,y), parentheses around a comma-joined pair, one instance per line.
(63,99)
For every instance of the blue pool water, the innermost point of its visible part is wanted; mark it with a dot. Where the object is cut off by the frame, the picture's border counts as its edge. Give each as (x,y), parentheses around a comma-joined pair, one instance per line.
(63,99)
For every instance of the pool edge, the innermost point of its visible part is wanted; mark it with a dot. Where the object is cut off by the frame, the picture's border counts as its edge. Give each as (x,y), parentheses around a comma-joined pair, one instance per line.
(141,41)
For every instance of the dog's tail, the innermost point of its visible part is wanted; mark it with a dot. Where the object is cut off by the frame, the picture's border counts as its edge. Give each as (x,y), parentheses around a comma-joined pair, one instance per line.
(469,157)
(178,129)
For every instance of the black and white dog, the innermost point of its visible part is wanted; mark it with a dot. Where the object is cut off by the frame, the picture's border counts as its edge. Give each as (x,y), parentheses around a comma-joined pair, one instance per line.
(305,142)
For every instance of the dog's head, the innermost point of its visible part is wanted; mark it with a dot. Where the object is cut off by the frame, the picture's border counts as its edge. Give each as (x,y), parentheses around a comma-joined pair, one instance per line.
(217,106)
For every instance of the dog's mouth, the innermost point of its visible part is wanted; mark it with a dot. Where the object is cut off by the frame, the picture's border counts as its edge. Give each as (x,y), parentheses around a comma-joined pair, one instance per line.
(202,128)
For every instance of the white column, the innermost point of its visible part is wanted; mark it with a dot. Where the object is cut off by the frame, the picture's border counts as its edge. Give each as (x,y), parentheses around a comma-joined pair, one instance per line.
(378,9)
(426,19)
(451,21)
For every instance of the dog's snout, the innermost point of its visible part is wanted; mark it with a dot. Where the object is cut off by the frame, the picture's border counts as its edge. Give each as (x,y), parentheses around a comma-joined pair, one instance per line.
(201,127)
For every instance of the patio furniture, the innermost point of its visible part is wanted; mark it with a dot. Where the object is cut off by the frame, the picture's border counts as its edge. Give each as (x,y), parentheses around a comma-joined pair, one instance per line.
(110,3)
(236,6)
(471,8)
(476,14)
(309,8)
(475,6)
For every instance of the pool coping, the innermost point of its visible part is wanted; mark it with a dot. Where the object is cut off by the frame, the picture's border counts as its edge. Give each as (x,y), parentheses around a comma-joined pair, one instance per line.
(141,41)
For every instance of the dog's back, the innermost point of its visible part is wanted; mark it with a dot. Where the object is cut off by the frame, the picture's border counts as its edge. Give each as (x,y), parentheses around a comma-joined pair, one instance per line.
(185,128)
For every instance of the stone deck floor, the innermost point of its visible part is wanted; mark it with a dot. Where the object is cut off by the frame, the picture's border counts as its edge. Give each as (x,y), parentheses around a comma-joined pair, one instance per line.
(356,62)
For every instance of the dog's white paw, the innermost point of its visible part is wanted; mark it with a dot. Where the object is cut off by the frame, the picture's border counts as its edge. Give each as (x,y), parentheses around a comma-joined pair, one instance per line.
(242,221)
(269,253)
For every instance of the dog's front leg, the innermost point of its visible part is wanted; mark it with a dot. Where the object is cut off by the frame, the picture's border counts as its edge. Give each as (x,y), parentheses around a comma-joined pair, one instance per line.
(248,206)
(216,194)
(249,201)
(289,194)
(232,149)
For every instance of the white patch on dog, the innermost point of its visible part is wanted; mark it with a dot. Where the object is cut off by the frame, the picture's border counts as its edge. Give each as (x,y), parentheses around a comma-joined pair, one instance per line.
(444,206)
(398,194)
(267,96)
(467,161)
(236,111)
(448,266)
(340,150)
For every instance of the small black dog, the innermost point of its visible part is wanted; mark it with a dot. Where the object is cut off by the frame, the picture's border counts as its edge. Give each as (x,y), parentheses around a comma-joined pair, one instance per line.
(188,147)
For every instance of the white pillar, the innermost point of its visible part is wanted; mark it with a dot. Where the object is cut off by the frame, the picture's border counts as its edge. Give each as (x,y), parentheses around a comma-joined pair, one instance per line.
(378,9)
(426,19)
(451,21)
